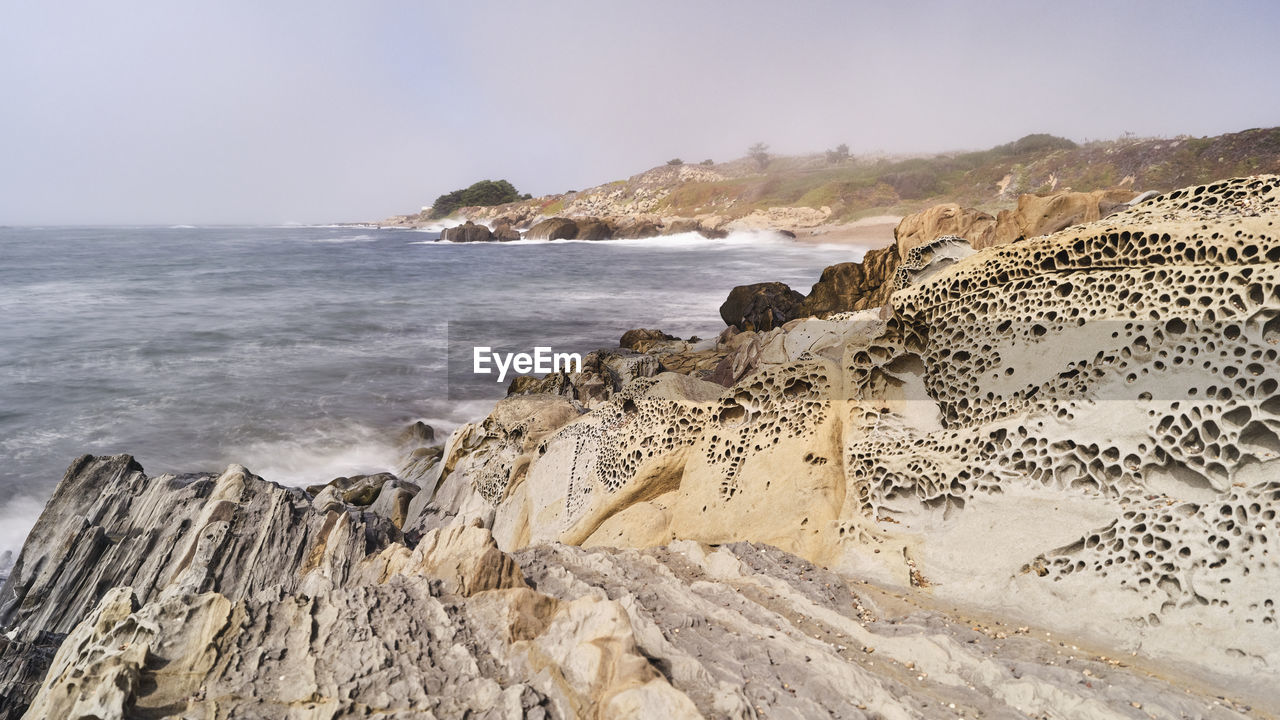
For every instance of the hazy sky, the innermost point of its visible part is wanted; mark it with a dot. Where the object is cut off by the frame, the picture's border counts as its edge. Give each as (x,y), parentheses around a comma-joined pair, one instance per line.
(269,111)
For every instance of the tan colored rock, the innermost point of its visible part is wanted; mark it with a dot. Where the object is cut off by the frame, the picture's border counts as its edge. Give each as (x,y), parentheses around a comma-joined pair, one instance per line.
(1035,216)
(1041,409)
(590,645)
(946,219)
(641,339)
(463,557)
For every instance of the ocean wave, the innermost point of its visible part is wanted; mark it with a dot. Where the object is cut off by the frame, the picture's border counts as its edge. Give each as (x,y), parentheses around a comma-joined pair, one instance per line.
(17,517)
(441,225)
(676,241)
(347,239)
(319,457)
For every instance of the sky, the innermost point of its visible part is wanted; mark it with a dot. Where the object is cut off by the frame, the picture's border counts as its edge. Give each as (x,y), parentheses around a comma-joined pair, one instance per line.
(244,111)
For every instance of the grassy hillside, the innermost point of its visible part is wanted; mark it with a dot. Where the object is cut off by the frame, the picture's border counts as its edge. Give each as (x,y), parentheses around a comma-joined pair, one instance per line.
(985,179)
(858,186)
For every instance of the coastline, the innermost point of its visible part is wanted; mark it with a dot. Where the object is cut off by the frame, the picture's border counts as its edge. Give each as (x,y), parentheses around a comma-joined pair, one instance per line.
(637,506)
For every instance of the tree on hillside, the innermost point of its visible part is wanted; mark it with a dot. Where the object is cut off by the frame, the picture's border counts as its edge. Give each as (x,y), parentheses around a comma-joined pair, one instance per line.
(760,153)
(839,155)
(481,194)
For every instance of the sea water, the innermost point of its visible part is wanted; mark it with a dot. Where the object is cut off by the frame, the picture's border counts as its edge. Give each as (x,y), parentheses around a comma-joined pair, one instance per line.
(300,352)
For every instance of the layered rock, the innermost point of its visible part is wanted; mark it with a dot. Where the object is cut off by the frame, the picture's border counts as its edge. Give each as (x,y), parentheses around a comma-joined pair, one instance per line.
(108,526)
(454,628)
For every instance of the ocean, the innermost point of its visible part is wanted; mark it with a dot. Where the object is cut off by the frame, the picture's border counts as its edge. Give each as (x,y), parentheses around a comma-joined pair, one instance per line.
(300,352)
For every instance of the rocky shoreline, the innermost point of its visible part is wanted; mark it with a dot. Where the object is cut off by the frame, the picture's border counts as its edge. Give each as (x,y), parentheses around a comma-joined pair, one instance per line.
(1034,215)
(1014,465)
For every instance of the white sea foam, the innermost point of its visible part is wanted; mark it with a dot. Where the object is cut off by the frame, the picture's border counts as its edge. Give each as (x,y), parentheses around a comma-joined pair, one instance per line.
(676,241)
(318,457)
(440,225)
(17,517)
(347,239)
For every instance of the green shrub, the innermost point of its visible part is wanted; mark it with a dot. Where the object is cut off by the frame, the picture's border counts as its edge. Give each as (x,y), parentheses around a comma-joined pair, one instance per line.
(482,194)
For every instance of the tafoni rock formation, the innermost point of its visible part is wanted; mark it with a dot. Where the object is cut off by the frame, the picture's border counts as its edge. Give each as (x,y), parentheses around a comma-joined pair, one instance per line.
(1041,480)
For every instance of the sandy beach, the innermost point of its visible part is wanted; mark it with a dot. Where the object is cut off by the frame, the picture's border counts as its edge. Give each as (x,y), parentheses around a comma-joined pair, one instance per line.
(870,232)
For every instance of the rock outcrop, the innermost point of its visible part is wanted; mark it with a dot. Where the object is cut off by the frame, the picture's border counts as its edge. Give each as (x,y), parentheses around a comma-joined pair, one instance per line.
(1035,215)
(946,219)
(638,228)
(108,526)
(553,229)
(854,285)
(505,232)
(454,627)
(593,229)
(1097,405)
(762,306)
(467,232)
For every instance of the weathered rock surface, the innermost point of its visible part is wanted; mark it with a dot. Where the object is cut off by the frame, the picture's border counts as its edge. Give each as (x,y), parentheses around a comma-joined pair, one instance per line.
(457,628)
(467,232)
(762,306)
(637,229)
(1035,215)
(1082,430)
(109,525)
(505,232)
(593,229)
(854,285)
(553,229)
(642,339)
